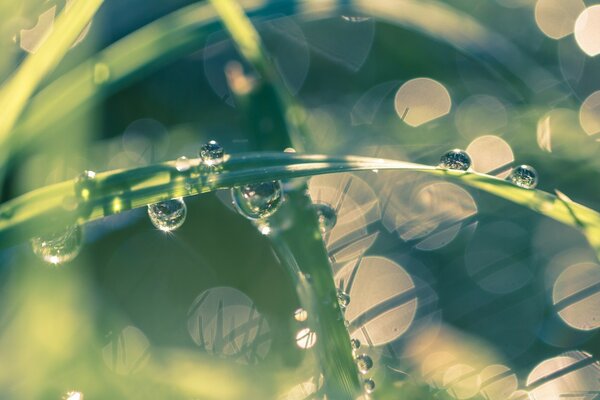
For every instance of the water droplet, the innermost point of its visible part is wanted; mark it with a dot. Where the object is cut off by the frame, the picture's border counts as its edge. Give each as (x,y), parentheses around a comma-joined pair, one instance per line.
(364,363)
(73,395)
(455,159)
(343,299)
(183,164)
(211,153)
(300,315)
(524,176)
(306,339)
(59,247)
(168,215)
(84,185)
(326,216)
(289,150)
(369,385)
(355,343)
(257,200)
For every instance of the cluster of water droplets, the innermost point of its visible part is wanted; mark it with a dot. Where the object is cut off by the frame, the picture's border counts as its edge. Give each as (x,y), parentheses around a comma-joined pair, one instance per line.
(524,176)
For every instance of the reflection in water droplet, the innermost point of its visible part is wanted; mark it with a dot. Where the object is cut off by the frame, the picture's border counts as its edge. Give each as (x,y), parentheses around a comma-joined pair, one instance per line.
(306,339)
(300,315)
(354,18)
(369,385)
(183,164)
(59,247)
(168,215)
(211,153)
(524,176)
(455,159)
(127,352)
(73,395)
(355,344)
(84,184)
(364,363)
(326,216)
(343,299)
(257,200)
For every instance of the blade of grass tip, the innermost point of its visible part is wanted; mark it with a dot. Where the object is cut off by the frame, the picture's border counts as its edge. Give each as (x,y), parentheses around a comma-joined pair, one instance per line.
(22,84)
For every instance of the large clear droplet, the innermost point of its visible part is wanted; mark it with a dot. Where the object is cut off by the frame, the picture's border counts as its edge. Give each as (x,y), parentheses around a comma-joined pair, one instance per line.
(364,363)
(84,185)
(59,247)
(455,159)
(326,216)
(211,153)
(524,176)
(369,385)
(168,215)
(257,200)
(343,299)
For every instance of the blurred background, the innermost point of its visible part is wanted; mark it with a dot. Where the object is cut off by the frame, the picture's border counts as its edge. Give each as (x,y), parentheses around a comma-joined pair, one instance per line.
(454,294)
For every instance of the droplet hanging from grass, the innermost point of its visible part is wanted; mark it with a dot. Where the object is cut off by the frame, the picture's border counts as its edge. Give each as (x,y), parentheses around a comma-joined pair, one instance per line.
(343,299)
(212,153)
(168,215)
(524,176)
(59,247)
(258,200)
(456,160)
(364,363)
(326,215)
(84,185)
(369,385)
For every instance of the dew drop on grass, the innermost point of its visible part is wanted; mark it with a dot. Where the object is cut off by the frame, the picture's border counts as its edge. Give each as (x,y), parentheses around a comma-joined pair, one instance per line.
(355,343)
(211,153)
(258,200)
(343,299)
(183,164)
(369,385)
(84,185)
(364,363)
(455,159)
(326,216)
(59,247)
(524,176)
(168,215)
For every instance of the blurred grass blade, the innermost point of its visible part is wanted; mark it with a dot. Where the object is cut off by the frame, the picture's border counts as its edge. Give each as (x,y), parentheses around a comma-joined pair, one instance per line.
(19,88)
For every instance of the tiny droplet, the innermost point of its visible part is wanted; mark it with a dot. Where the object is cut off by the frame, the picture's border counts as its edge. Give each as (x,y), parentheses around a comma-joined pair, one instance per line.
(355,343)
(524,176)
(183,164)
(168,215)
(326,216)
(84,185)
(211,153)
(257,200)
(364,363)
(455,159)
(369,385)
(343,299)
(59,247)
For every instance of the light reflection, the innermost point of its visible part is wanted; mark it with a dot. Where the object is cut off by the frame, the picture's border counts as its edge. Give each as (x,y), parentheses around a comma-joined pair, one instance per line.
(587,30)
(421,100)
(556,18)
(306,338)
(128,351)
(224,321)
(480,114)
(491,155)
(589,114)
(73,395)
(497,382)
(576,296)
(461,381)
(383,299)
(574,374)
